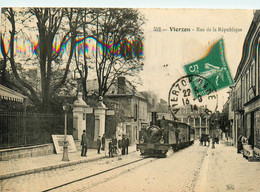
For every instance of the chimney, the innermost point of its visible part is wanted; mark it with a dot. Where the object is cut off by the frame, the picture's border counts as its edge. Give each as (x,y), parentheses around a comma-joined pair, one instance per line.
(154,118)
(121,85)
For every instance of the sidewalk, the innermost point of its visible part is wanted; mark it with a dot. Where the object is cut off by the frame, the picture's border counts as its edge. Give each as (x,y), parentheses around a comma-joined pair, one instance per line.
(223,169)
(17,167)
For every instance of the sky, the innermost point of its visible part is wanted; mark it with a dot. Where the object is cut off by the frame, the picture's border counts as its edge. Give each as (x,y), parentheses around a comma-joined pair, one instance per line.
(166,52)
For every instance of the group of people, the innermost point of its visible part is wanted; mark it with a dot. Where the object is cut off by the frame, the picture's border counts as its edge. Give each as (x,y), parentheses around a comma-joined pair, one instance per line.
(113,145)
(124,144)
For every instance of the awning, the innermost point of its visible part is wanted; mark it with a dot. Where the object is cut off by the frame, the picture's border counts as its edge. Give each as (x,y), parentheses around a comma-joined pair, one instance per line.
(9,94)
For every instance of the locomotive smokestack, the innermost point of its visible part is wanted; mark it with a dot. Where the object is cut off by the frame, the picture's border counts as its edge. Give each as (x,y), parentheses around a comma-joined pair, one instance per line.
(154,118)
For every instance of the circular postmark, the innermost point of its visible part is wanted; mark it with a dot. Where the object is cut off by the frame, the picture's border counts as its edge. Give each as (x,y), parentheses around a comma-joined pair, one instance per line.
(193,93)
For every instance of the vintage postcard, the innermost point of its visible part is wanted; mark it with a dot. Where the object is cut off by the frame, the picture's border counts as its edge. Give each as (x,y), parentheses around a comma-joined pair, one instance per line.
(129,99)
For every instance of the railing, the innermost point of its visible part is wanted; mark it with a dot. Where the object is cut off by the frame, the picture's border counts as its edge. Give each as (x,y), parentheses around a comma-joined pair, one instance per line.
(25,129)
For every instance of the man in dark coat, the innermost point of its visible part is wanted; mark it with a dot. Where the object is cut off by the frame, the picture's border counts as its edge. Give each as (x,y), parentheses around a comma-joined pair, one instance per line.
(114,142)
(84,144)
(123,144)
(239,144)
(98,145)
(103,139)
(126,145)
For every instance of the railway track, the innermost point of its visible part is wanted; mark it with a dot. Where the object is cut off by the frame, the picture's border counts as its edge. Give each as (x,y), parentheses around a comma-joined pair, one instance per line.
(134,163)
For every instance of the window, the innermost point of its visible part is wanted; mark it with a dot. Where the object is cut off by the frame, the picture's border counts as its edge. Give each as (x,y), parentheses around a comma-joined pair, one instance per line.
(257,69)
(197,122)
(253,73)
(249,79)
(247,85)
(243,92)
(136,133)
(203,121)
(136,112)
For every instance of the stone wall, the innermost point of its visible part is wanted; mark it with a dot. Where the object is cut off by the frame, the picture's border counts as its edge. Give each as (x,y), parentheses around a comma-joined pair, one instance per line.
(22,152)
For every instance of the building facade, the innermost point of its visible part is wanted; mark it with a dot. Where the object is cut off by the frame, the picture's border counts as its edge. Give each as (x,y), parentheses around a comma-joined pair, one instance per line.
(195,117)
(246,91)
(131,104)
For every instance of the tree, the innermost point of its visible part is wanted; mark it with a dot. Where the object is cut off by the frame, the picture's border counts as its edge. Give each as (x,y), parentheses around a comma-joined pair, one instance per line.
(81,52)
(8,55)
(52,36)
(51,39)
(119,45)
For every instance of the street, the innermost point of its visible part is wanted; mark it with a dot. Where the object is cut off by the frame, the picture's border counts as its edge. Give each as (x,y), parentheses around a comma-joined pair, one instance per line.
(76,84)
(196,168)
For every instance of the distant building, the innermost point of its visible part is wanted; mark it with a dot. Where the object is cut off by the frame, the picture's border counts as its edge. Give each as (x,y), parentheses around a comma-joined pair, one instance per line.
(214,124)
(163,111)
(230,112)
(196,117)
(152,100)
(131,104)
(161,107)
(246,91)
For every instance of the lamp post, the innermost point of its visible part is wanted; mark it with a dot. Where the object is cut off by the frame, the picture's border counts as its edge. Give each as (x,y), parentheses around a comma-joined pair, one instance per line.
(65,145)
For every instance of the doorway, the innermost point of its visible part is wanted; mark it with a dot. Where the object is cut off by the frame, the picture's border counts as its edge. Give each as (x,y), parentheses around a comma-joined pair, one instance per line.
(252,130)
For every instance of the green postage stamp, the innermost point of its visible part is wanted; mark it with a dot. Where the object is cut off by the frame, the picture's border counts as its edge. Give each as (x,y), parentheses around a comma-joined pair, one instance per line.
(212,67)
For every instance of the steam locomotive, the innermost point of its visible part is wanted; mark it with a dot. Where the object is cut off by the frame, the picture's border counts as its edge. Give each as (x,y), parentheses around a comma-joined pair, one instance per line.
(162,135)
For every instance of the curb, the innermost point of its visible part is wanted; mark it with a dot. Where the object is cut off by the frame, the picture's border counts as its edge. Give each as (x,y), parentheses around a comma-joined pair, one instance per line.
(46,168)
(49,167)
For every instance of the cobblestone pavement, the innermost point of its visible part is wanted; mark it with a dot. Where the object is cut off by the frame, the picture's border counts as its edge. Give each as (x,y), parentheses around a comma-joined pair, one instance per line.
(196,168)
(178,172)
(27,165)
(192,156)
(32,163)
(225,170)
(48,179)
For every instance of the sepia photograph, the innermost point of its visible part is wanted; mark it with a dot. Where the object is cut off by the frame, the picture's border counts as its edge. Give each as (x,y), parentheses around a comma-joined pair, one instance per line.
(129,99)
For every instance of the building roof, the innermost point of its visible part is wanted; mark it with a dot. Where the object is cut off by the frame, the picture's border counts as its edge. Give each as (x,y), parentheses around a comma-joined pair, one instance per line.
(9,94)
(129,89)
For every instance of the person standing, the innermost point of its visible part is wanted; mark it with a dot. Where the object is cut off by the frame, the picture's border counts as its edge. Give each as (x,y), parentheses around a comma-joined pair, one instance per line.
(114,142)
(126,145)
(84,144)
(98,145)
(103,139)
(123,145)
(239,144)
(110,146)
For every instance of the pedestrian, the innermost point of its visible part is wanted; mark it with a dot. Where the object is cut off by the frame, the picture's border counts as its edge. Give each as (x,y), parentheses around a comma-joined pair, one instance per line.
(123,144)
(201,140)
(126,145)
(98,144)
(114,142)
(103,139)
(120,145)
(84,144)
(239,144)
(110,146)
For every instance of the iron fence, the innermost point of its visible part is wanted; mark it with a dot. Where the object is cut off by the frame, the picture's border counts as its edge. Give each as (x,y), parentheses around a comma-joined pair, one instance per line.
(25,129)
